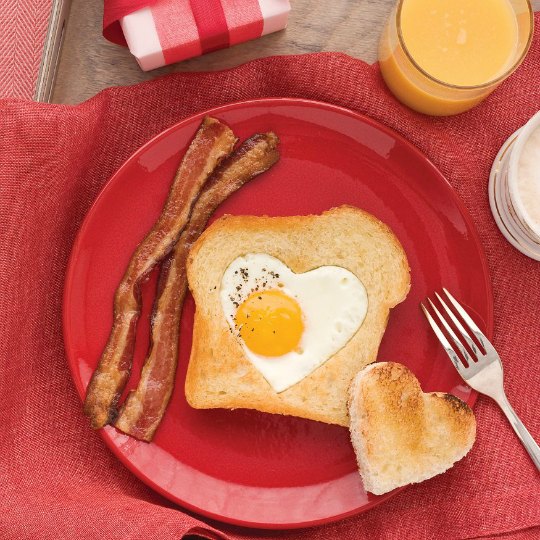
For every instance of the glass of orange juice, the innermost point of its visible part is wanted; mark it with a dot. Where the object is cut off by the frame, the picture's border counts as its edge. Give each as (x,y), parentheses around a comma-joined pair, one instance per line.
(442,57)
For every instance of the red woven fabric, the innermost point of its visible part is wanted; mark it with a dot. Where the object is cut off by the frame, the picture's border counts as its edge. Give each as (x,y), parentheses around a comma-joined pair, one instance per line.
(23,25)
(59,481)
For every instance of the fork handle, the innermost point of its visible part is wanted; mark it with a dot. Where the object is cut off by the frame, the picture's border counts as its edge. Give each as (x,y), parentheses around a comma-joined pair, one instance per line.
(521,431)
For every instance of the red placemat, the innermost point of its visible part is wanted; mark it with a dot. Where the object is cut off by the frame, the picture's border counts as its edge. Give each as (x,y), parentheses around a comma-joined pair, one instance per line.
(57,479)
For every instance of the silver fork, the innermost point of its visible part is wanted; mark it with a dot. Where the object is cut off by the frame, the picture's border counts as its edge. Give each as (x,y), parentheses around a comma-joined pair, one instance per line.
(484,372)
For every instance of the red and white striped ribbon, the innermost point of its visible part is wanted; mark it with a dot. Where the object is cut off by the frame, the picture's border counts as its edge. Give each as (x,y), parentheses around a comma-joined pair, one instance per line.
(167,31)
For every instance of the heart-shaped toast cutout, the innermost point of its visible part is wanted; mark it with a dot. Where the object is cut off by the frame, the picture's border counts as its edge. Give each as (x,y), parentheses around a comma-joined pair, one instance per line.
(301,320)
(401,435)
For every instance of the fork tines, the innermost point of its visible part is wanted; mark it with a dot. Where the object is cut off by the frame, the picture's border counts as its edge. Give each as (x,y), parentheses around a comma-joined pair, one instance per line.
(471,344)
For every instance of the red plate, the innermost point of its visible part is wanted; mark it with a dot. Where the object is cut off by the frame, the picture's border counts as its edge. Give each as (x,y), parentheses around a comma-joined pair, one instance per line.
(245,467)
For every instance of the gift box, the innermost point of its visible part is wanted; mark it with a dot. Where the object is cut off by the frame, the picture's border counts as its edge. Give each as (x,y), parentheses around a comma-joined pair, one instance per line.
(161,32)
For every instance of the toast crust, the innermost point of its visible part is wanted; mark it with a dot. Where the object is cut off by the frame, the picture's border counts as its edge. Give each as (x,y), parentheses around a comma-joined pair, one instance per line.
(220,376)
(400,434)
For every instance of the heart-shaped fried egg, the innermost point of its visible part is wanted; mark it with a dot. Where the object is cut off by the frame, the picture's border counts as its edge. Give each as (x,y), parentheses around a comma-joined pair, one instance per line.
(290,324)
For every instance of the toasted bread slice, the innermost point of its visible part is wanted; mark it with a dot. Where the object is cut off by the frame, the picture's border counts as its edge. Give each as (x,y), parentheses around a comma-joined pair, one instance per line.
(220,375)
(401,435)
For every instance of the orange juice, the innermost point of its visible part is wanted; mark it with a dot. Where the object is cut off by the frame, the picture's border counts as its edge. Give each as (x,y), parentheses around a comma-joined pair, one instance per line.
(442,57)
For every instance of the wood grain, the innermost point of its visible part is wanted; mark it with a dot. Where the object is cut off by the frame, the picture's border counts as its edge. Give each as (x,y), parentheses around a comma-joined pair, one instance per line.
(89,63)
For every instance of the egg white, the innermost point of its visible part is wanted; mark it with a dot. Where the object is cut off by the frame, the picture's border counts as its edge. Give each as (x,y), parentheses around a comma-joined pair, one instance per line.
(333,301)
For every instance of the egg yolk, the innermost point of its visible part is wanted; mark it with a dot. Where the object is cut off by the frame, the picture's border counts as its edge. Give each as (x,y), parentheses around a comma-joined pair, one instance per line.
(270,323)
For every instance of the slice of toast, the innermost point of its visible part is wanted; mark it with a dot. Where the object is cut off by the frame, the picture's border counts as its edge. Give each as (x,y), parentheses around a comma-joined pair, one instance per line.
(401,435)
(220,375)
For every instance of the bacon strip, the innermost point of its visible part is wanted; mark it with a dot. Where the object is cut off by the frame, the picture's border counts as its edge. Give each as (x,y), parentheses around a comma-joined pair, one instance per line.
(144,407)
(212,142)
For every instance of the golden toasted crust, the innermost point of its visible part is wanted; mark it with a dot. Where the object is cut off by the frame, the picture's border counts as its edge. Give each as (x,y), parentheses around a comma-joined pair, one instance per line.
(401,435)
(219,375)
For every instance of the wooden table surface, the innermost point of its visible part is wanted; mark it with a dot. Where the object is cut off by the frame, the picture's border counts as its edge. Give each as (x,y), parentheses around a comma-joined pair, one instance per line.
(89,63)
